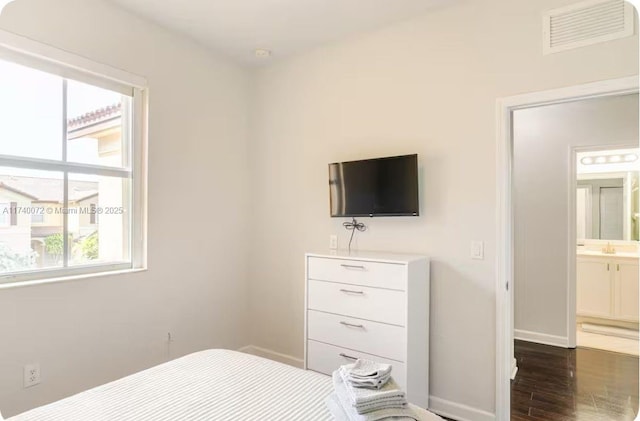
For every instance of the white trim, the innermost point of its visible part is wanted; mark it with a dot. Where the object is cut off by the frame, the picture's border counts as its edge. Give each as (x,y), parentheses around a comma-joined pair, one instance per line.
(305,363)
(436,405)
(139,147)
(514,368)
(44,57)
(60,166)
(619,332)
(542,338)
(504,228)
(62,278)
(604,88)
(273,355)
(458,411)
(45,53)
(504,260)
(63,272)
(572,249)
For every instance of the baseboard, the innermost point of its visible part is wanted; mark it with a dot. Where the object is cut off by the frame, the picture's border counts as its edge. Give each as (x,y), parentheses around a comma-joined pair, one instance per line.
(607,322)
(541,338)
(437,405)
(514,368)
(610,331)
(273,355)
(458,411)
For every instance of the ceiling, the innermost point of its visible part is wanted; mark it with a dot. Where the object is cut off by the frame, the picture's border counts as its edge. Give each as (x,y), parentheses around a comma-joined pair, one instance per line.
(238,27)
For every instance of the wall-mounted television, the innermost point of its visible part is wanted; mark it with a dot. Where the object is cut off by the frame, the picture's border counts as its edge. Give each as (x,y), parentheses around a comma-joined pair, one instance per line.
(375,187)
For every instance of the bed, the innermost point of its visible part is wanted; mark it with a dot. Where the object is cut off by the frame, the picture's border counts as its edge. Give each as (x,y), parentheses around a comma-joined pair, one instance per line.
(205,386)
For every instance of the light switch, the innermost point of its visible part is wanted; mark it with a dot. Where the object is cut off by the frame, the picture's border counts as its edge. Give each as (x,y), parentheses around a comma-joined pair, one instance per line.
(333,242)
(477,250)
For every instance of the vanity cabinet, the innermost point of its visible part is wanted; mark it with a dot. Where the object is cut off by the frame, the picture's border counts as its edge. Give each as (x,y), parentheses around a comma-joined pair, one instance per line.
(626,291)
(607,287)
(594,287)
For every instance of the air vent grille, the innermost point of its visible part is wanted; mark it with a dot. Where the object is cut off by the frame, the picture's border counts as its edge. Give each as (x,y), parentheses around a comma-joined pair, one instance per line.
(587,23)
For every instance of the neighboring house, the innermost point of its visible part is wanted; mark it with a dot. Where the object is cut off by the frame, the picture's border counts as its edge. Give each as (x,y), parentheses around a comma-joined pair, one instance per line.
(15,229)
(24,229)
(32,209)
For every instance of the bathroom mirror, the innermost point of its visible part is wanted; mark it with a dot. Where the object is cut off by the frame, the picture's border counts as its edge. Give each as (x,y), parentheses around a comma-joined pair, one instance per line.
(607,195)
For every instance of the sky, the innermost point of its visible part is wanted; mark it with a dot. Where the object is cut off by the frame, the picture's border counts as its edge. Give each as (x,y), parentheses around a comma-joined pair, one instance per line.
(31,117)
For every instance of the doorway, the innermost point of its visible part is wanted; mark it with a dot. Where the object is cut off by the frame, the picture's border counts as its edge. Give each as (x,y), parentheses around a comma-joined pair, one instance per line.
(607,228)
(506,227)
(547,140)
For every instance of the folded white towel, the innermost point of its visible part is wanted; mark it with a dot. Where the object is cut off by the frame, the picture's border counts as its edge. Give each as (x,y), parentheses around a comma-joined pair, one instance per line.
(362,396)
(373,407)
(367,400)
(342,410)
(367,369)
(339,414)
(336,409)
(363,381)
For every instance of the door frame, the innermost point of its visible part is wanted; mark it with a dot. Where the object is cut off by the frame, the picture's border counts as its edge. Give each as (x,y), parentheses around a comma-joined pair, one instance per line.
(504,218)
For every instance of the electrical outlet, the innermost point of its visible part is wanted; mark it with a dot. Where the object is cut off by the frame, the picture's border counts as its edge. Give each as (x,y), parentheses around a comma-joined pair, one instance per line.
(333,242)
(31,375)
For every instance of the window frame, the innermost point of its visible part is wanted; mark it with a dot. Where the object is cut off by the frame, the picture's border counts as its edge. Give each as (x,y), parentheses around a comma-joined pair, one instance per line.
(33,54)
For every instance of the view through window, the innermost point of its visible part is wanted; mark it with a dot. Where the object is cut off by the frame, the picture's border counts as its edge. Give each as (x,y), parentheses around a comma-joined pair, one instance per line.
(65,179)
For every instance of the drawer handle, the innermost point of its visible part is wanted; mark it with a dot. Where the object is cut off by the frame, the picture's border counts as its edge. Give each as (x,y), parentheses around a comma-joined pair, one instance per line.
(349,357)
(350,291)
(352,325)
(353,267)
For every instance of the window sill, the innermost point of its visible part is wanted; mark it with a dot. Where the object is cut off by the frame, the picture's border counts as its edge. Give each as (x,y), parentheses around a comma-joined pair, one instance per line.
(35,282)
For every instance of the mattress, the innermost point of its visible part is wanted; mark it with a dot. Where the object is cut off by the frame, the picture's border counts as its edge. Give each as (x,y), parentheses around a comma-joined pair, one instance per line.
(205,386)
(213,385)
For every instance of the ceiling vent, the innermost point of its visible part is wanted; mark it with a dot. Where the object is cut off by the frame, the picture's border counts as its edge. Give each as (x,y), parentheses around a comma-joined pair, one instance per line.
(587,23)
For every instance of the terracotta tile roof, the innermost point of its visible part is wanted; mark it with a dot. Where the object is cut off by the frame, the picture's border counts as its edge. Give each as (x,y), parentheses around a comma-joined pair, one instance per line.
(94,117)
(3,185)
(41,232)
(48,189)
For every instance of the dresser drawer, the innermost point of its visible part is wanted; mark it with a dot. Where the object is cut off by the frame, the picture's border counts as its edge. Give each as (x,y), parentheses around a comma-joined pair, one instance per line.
(374,338)
(358,272)
(325,358)
(380,305)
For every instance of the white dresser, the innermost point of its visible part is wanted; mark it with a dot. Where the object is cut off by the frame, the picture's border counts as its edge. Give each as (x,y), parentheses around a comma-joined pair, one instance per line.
(370,305)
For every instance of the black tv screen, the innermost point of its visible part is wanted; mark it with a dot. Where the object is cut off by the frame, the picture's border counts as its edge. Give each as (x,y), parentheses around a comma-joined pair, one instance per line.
(375,187)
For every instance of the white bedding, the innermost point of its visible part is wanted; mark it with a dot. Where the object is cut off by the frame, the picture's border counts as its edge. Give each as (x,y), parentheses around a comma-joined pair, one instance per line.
(205,386)
(208,385)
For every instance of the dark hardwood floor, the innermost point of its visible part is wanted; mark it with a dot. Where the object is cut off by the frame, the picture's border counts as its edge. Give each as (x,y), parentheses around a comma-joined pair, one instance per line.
(573,384)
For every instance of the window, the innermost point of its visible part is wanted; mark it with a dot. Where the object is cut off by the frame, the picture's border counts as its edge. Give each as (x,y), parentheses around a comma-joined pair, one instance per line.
(71,180)
(37,218)
(5,216)
(93,214)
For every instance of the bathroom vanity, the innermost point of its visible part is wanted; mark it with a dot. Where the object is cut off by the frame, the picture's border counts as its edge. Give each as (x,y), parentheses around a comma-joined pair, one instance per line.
(607,285)
(608,233)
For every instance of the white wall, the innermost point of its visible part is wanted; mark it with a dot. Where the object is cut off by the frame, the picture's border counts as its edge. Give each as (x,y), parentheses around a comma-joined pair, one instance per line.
(425,86)
(543,138)
(88,332)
